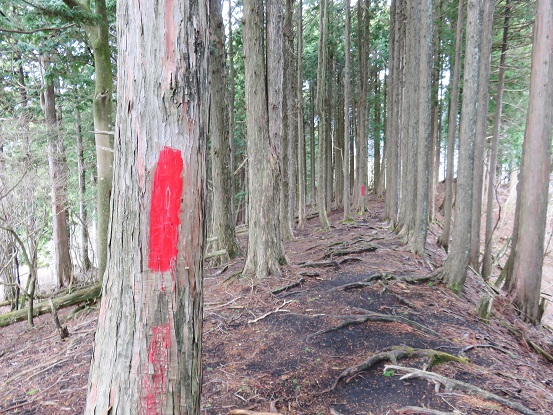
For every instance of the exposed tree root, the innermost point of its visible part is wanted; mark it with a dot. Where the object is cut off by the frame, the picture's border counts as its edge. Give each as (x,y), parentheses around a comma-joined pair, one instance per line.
(320,264)
(370,316)
(421,411)
(384,276)
(310,274)
(288,287)
(451,384)
(331,263)
(332,253)
(434,357)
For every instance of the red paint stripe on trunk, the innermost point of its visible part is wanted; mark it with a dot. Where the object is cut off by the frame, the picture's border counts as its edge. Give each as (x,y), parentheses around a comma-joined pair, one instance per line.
(362,190)
(164,212)
(155,384)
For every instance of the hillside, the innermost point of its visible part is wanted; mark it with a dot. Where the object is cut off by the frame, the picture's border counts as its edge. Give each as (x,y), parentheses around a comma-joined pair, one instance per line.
(303,343)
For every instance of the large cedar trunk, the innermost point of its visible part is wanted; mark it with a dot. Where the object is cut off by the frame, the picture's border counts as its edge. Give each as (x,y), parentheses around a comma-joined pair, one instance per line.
(490,201)
(301,132)
(452,128)
(535,169)
(347,134)
(321,115)
(456,264)
(265,250)
(148,341)
(481,130)
(221,212)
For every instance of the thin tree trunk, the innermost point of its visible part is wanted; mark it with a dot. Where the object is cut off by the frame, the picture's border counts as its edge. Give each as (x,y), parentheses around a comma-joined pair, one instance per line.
(147,355)
(457,262)
(301,132)
(535,170)
(488,241)
(221,173)
(58,177)
(312,193)
(97,30)
(82,190)
(452,128)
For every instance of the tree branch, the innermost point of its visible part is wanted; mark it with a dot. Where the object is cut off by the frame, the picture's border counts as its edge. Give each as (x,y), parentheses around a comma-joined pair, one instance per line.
(30,32)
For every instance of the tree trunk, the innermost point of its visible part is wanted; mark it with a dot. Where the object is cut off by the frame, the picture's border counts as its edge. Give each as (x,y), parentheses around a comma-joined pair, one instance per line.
(488,241)
(452,128)
(292,131)
(301,133)
(362,154)
(392,104)
(83,216)
(321,114)
(148,341)
(410,124)
(231,97)
(63,269)
(425,128)
(347,104)
(457,262)
(283,71)
(377,130)
(221,209)
(535,170)
(264,129)
(481,130)
(312,193)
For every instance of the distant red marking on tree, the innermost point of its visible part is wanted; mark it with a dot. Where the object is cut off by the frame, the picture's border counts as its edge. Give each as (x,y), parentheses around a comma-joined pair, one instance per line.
(362,190)
(164,212)
(155,384)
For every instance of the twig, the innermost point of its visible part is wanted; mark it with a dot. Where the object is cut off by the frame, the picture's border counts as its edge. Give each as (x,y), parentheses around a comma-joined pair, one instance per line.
(278,310)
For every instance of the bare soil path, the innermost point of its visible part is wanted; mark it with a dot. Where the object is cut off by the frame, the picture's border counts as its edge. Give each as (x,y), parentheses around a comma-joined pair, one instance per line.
(296,344)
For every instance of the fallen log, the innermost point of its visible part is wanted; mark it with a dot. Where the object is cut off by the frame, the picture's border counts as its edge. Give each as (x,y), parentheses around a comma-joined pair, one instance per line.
(89,293)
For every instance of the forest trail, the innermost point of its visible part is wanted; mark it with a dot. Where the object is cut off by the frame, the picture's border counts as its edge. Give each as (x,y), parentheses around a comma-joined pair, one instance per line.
(293,344)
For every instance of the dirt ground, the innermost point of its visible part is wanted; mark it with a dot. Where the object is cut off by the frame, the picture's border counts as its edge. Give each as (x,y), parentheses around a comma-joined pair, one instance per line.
(279,345)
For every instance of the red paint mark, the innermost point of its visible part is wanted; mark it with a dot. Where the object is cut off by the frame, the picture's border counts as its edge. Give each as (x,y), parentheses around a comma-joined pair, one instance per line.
(154,383)
(362,190)
(164,212)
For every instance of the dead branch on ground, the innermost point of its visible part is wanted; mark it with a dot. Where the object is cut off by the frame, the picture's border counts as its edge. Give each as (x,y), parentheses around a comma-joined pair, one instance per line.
(90,293)
(451,384)
(421,411)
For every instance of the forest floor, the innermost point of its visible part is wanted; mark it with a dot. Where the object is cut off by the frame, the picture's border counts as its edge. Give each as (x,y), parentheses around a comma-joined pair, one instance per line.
(295,344)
